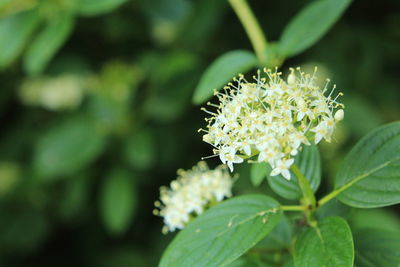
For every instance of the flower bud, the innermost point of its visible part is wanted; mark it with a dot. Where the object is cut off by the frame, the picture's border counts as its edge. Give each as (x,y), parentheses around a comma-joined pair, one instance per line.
(291,78)
(339,115)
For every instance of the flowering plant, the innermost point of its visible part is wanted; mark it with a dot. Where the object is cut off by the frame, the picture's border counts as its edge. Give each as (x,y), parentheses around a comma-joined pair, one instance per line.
(275,125)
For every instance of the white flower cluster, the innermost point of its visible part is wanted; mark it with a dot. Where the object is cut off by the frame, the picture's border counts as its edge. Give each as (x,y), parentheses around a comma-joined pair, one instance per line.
(192,192)
(271,118)
(58,93)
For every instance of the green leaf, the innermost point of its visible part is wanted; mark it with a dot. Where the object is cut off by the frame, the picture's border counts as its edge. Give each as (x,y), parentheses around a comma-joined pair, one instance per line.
(67,148)
(333,208)
(309,163)
(140,149)
(97,7)
(369,176)
(224,232)
(47,43)
(382,219)
(117,201)
(329,244)
(259,172)
(377,248)
(249,261)
(279,238)
(11,7)
(221,71)
(310,24)
(15,32)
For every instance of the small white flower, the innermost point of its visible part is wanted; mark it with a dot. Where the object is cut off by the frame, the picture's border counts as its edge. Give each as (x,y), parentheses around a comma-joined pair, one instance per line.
(230,159)
(282,167)
(320,131)
(270,155)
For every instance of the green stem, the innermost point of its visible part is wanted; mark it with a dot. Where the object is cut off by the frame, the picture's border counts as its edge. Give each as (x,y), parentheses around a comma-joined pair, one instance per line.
(336,192)
(328,197)
(252,28)
(305,187)
(293,208)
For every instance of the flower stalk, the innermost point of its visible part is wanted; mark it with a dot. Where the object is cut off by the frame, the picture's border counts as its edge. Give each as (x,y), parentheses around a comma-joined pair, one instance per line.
(305,187)
(252,28)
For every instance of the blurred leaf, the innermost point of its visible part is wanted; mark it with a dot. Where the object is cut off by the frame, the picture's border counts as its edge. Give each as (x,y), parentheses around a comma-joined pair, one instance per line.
(375,247)
(121,257)
(74,198)
(289,263)
(140,149)
(21,230)
(166,66)
(309,163)
(224,232)
(259,172)
(47,43)
(221,71)
(362,117)
(11,7)
(173,78)
(71,63)
(67,147)
(382,219)
(310,24)
(329,244)
(206,14)
(111,115)
(171,104)
(10,175)
(369,175)
(15,32)
(165,10)
(117,201)
(166,17)
(112,95)
(97,7)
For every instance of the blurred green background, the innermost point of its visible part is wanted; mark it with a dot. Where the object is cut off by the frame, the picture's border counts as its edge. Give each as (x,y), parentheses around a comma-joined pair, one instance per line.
(96,113)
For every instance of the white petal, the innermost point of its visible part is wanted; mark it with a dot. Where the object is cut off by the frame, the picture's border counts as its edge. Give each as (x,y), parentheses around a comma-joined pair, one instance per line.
(247,150)
(286,174)
(230,165)
(222,158)
(237,159)
(289,163)
(318,138)
(275,172)
(300,116)
(261,157)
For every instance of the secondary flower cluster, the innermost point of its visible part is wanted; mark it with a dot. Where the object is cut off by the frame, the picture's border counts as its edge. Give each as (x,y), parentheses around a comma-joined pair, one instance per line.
(191,193)
(271,118)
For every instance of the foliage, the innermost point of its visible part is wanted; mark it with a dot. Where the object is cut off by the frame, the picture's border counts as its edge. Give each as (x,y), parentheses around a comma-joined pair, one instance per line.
(98,104)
